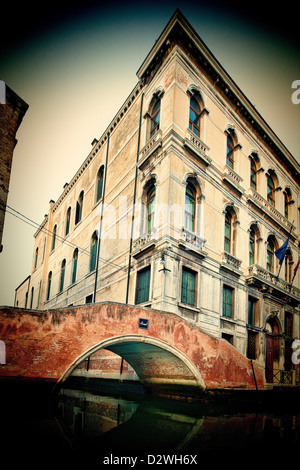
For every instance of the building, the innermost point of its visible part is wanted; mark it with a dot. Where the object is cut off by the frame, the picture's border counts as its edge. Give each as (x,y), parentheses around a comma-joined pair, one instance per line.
(180,206)
(12,111)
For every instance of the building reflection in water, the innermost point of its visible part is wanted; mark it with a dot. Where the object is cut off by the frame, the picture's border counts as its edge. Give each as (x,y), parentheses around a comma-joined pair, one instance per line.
(103,424)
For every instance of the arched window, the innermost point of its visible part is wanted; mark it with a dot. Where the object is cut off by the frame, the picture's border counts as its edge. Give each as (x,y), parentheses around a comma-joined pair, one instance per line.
(36,258)
(49,285)
(99,187)
(31,298)
(74,265)
(270,254)
(270,190)
(230,230)
(251,246)
(62,275)
(289,266)
(287,202)
(254,236)
(151,193)
(54,237)
(253,174)
(230,149)
(68,220)
(190,207)
(155,117)
(228,234)
(194,117)
(79,207)
(93,253)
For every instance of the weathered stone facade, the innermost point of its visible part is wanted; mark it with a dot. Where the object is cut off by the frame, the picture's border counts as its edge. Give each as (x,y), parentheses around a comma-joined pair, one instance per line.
(11,115)
(190,194)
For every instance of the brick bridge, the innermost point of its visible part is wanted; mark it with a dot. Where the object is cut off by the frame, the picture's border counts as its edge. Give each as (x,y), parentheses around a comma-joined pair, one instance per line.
(161,347)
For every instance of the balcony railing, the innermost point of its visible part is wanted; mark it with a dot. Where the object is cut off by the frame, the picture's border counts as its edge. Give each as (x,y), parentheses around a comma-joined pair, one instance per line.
(192,241)
(195,144)
(231,262)
(266,280)
(256,199)
(151,146)
(143,242)
(231,177)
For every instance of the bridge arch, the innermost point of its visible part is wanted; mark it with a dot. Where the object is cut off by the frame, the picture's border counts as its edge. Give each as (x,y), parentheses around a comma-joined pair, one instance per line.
(154,360)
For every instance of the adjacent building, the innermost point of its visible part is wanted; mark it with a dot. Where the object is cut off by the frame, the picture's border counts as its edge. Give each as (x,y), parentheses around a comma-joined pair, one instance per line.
(12,111)
(180,206)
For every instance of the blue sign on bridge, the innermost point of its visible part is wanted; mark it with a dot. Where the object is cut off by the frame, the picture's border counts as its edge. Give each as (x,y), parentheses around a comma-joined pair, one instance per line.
(143,323)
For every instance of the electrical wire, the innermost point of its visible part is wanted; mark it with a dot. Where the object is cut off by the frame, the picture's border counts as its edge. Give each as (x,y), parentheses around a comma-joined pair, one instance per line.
(10,210)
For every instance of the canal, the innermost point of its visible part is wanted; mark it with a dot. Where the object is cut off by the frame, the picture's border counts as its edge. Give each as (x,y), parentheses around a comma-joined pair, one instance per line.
(87,425)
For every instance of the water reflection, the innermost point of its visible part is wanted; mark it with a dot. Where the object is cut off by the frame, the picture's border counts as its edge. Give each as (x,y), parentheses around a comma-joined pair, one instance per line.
(98,424)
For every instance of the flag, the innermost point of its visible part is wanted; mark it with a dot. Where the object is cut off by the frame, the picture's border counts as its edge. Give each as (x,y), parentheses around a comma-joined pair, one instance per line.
(281,252)
(295,270)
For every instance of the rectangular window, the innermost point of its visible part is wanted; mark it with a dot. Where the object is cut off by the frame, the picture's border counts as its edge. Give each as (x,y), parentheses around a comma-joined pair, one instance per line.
(143,285)
(188,287)
(228,302)
(252,345)
(252,311)
(228,338)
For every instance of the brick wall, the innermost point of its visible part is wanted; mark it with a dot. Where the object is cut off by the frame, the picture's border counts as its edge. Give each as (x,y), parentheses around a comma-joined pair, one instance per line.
(11,115)
(48,344)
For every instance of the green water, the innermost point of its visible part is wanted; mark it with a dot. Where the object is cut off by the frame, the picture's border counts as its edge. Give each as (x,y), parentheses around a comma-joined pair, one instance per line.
(89,429)
(155,430)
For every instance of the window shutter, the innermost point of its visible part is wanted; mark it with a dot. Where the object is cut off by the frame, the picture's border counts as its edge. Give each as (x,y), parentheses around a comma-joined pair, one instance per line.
(188,287)
(143,286)
(227,302)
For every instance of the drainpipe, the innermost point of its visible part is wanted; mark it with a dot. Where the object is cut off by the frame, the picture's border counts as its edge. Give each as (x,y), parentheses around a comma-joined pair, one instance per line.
(134,198)
(101,218)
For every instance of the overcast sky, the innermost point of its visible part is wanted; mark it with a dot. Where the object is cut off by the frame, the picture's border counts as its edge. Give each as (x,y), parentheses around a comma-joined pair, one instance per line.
(76,65)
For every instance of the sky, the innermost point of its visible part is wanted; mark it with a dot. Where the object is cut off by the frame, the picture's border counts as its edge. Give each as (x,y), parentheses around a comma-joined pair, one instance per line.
(75,63)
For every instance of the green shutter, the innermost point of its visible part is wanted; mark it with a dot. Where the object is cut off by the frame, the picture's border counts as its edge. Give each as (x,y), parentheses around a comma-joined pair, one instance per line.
(143,286)
(74,270)
(227,302)
(188,287)
(227,234)
(94,255)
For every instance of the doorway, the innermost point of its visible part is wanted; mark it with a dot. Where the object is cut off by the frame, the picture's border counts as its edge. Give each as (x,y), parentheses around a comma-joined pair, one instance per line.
(272,349)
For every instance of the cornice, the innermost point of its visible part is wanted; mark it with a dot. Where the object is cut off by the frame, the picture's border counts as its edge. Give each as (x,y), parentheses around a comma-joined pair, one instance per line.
(179,31)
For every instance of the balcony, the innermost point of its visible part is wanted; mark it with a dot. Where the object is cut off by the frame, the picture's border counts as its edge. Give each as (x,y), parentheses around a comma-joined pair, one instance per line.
(264,206)
(199,148)
(268,282)
(233,179)
(192,242)
(231,263)
(151,146)
(144,243)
